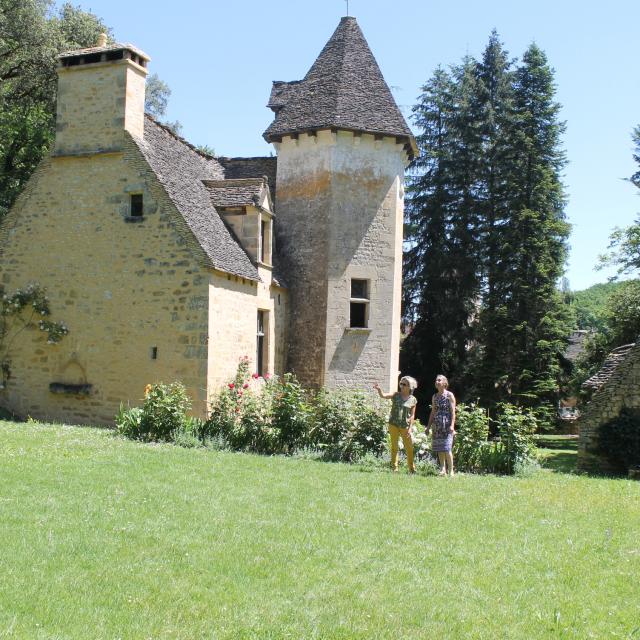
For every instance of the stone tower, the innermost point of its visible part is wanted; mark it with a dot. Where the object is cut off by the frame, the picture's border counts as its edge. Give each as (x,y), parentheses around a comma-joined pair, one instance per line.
(342,147)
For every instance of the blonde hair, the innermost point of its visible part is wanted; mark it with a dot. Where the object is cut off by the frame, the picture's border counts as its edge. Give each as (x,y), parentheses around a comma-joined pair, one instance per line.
(413,384)
(446,382)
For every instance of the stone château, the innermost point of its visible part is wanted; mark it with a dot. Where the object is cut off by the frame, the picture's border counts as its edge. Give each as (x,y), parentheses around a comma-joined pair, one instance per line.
(170,264)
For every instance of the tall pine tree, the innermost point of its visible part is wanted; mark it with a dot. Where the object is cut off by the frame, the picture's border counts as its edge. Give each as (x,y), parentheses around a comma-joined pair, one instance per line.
(487,239)
(440,274)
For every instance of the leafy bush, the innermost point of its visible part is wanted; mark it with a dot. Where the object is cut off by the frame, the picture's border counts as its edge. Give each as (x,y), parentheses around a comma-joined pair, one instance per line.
(347,425)
(471,441)
(619,441)
(277,415)
(290,412)
(516,427)
(511,452)
(129,422)
(162,415)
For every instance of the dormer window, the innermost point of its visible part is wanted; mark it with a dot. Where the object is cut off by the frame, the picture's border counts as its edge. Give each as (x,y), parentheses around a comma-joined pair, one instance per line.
(265,242)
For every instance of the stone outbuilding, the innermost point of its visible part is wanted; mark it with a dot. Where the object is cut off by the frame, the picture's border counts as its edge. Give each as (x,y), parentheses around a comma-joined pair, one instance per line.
(170,264)
(615,386)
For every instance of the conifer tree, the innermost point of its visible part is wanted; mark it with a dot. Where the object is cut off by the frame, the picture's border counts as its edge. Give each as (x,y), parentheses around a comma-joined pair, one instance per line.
(440,274)
(487,239)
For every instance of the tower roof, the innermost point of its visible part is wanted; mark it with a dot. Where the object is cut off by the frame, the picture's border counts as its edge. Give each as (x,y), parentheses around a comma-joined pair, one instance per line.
(344,89)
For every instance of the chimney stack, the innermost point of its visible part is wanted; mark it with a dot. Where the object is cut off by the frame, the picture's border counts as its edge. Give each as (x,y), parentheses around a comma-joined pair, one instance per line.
(101,93)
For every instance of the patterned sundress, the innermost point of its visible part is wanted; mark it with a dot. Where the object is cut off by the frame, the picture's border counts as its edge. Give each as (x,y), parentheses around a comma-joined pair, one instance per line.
(442,436)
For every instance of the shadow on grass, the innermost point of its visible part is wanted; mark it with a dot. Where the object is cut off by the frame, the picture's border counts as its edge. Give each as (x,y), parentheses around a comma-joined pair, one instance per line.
(7,416)
(559,460)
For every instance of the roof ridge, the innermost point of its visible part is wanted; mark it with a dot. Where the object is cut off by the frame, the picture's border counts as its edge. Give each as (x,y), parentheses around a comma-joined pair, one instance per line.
(179,138)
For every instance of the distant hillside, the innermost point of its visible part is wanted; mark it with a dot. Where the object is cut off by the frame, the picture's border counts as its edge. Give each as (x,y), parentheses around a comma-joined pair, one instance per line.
(590,304)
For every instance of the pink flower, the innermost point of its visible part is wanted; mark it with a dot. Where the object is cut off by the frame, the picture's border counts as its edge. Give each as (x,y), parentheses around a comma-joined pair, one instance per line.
(267,376)
(231,385)
(245,385)
(239,393)
(255,376)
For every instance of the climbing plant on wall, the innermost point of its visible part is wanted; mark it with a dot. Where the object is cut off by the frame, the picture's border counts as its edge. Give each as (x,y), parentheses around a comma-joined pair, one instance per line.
(24,310)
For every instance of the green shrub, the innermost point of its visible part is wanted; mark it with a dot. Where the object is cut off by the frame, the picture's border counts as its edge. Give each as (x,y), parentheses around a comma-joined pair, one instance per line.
(291,412)
(470,445)
(277,415)
(515,427)
(347,425)
(161,416)
(619,441)
(190,434)
(513,451)
(129,421)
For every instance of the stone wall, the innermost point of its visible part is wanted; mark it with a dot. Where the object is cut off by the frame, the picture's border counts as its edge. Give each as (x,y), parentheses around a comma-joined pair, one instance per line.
(622,390)
(123,288)
(339,212)
(233,307)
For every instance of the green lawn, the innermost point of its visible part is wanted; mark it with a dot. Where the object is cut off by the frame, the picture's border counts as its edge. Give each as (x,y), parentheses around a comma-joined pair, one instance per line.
(102,538)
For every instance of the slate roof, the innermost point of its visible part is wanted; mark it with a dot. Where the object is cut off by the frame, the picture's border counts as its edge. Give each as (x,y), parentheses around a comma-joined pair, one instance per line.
(344,89)
(236,193)
(252,168)
(115,46)
(608,369)
(181,170)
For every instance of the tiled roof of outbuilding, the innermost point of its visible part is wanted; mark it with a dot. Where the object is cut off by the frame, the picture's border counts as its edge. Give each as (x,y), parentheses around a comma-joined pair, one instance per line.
(608,369)
(344,89)
(181,170)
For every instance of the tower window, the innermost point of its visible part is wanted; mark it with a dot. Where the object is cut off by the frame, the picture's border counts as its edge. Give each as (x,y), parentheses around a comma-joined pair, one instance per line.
(359,304)
(136,205)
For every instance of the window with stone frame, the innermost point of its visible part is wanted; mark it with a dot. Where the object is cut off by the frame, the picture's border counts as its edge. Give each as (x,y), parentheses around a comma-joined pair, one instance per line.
(359,304)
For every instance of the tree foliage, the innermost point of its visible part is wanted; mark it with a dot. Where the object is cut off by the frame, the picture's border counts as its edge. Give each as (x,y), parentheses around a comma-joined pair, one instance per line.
(486,231)
(624,244)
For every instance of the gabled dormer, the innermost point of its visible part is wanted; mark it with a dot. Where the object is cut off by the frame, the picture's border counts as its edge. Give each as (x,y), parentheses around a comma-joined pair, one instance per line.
(245,205)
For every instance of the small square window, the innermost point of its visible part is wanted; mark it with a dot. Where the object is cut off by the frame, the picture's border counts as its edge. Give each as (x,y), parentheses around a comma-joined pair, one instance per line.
(136,205)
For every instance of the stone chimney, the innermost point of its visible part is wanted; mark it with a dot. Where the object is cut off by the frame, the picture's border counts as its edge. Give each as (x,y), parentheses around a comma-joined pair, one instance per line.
(101,94)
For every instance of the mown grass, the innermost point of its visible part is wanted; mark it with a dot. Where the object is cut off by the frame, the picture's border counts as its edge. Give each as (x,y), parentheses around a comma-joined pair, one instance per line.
(102,538)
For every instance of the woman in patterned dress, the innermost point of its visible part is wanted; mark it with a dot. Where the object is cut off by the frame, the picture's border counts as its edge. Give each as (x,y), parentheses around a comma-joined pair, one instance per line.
(443,420)
(403,413)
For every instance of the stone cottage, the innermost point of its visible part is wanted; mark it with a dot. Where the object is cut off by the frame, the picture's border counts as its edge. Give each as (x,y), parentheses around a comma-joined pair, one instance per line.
(615,387)
(170,264)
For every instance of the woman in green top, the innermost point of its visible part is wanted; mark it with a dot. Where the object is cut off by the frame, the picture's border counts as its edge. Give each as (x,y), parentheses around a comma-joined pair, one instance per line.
(403,413)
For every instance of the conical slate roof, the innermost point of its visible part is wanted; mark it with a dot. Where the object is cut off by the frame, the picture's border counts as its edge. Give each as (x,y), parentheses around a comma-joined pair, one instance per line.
(344,89)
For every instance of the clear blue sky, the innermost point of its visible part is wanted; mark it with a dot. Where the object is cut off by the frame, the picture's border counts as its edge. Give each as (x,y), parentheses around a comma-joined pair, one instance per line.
(219,59)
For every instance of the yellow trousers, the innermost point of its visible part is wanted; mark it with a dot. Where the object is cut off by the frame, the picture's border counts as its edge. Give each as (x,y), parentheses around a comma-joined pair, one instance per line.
(398,432)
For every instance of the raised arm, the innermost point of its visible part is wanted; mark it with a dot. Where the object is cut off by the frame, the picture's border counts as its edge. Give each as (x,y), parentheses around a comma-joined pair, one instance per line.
(386,396)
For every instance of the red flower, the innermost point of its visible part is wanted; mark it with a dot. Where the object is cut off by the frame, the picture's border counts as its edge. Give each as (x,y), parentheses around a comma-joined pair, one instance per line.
(231,385)
(255,376)
(245,385)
